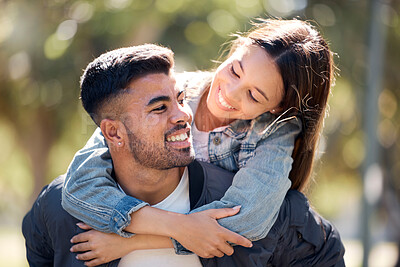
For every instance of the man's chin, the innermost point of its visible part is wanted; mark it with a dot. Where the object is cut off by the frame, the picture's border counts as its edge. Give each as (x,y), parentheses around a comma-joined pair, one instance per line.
(185,162)
(177,162)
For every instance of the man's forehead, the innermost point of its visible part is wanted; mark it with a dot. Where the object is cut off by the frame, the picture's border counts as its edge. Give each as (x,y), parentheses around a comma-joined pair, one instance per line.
(153,82)
(143,89)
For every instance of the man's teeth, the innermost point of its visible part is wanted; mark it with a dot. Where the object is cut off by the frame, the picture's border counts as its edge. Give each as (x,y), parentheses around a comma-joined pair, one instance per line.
(223,102)
(180,137)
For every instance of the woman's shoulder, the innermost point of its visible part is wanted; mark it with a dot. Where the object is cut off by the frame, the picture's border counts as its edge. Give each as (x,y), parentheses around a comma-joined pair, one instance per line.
(194,82)
(268,123)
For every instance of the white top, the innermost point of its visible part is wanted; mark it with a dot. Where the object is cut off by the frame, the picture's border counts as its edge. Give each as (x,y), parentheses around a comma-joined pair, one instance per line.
(177,201)
(200,142)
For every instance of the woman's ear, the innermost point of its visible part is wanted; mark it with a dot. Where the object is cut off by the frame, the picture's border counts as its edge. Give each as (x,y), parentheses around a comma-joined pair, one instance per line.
(276,110)
(114,132)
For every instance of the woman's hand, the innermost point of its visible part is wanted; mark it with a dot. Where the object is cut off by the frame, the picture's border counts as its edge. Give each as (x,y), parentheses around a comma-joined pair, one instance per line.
(200,233)
(96,247)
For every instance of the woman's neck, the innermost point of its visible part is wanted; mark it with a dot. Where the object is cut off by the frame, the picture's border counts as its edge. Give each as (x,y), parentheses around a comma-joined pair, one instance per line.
(205,121)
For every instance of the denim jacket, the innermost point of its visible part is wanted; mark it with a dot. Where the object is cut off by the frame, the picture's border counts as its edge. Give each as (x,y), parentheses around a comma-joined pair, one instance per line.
(258,150)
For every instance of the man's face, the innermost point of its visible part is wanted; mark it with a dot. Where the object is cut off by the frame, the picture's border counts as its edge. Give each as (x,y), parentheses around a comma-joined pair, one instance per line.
(157,120)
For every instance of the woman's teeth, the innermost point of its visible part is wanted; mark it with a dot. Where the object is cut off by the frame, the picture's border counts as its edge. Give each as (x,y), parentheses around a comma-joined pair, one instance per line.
(223,102)
(177,138)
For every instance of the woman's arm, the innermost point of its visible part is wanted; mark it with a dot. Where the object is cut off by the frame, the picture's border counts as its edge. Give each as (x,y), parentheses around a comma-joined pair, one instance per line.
(261,185)
(90,193)
(97,248)
(198,232)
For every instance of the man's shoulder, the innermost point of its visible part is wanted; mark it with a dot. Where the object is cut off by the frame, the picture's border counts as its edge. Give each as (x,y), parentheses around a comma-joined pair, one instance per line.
(53,189)
(48,202)
(211,169)
(47,209)
(208,182)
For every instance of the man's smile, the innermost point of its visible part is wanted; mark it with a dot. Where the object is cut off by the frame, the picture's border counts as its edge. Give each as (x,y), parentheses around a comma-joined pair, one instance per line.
(179,139)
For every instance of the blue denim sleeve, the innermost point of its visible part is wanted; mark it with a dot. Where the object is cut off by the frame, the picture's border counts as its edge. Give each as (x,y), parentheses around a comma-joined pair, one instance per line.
(261,184)
(90,193)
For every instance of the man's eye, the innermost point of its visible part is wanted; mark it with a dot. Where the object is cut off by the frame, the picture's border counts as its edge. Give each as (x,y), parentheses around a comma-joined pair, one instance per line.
(233,71)
(160,108)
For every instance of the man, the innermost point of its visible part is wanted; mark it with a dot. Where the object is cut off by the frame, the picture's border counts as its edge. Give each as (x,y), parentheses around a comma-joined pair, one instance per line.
(131,95)
(139,115)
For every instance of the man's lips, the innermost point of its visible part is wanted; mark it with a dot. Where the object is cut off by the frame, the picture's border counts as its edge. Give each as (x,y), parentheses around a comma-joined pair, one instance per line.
(179,139)
(178,136)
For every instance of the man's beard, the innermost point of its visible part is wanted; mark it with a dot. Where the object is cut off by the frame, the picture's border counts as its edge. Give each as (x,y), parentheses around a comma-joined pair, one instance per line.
(158,156)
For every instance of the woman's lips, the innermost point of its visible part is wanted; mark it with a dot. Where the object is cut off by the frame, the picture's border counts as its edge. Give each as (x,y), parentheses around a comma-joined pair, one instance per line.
(222,102)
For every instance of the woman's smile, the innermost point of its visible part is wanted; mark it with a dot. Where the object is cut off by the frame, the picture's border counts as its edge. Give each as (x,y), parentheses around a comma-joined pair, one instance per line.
(222,102)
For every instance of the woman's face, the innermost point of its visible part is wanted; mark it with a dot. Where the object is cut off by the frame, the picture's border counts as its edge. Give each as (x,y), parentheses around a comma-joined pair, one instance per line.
(246,85)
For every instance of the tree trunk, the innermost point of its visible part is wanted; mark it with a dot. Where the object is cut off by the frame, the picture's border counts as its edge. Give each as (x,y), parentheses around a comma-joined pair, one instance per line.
(37,143)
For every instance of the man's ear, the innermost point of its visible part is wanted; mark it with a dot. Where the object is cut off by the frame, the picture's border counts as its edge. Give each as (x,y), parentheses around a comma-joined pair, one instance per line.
(114,132)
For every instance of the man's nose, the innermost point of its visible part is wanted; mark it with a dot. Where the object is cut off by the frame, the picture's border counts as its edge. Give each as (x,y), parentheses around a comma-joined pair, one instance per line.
(181,114)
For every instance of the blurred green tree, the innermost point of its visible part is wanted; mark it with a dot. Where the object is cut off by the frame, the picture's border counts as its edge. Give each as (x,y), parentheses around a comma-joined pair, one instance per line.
(44,45)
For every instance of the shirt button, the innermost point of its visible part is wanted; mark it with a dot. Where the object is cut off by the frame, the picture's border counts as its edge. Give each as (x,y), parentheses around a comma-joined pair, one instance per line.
(217,140)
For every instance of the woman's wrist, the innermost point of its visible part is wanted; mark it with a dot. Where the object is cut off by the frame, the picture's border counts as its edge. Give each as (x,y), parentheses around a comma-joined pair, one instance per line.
(153,221)
(140,242)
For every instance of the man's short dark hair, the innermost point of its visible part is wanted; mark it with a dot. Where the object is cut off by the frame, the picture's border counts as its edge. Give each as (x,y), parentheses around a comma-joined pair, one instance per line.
(107,77)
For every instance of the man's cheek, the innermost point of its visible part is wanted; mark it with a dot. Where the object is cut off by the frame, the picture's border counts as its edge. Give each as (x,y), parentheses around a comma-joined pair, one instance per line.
(152,120)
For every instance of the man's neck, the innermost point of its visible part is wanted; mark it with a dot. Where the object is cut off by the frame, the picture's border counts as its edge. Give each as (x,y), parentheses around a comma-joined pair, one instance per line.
(147,184)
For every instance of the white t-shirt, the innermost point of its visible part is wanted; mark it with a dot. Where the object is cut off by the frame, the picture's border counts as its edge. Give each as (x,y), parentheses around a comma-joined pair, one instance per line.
(177,201)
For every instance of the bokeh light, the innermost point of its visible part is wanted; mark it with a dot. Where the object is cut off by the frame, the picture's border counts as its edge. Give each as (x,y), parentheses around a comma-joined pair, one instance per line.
(222,22)
(198,33)
(19,65)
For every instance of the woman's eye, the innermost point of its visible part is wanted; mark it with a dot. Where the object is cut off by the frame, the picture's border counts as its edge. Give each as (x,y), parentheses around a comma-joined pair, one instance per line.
(160,108)
(252,97)
(182,101)
(233,71)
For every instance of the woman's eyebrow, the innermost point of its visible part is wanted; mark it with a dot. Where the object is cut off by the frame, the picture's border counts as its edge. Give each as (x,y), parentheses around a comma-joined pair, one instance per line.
(258,89)
(180,93)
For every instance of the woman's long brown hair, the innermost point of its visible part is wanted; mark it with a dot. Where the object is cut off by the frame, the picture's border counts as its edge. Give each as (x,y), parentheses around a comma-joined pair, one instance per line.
(306,65)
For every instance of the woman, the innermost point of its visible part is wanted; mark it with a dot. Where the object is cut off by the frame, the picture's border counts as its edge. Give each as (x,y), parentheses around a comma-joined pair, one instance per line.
(259,115)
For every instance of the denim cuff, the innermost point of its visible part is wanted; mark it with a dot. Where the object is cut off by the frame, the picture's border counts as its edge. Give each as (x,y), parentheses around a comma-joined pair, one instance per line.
(121,218)
(179,249)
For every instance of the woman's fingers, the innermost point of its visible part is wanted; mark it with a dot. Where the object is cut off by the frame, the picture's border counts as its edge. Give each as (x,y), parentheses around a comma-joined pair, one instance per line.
(211,253)
(237,239)
(94,262)
(223,212)
(80,247)
(218,253)
(86,256)
(226,249)
(84,226)
(82,237)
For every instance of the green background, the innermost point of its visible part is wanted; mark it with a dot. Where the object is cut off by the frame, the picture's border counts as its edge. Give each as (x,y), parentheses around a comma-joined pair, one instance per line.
(44,45)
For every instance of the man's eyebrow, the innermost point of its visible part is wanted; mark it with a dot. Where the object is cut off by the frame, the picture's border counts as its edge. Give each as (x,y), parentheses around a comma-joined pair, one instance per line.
(158,99)
(258,89)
